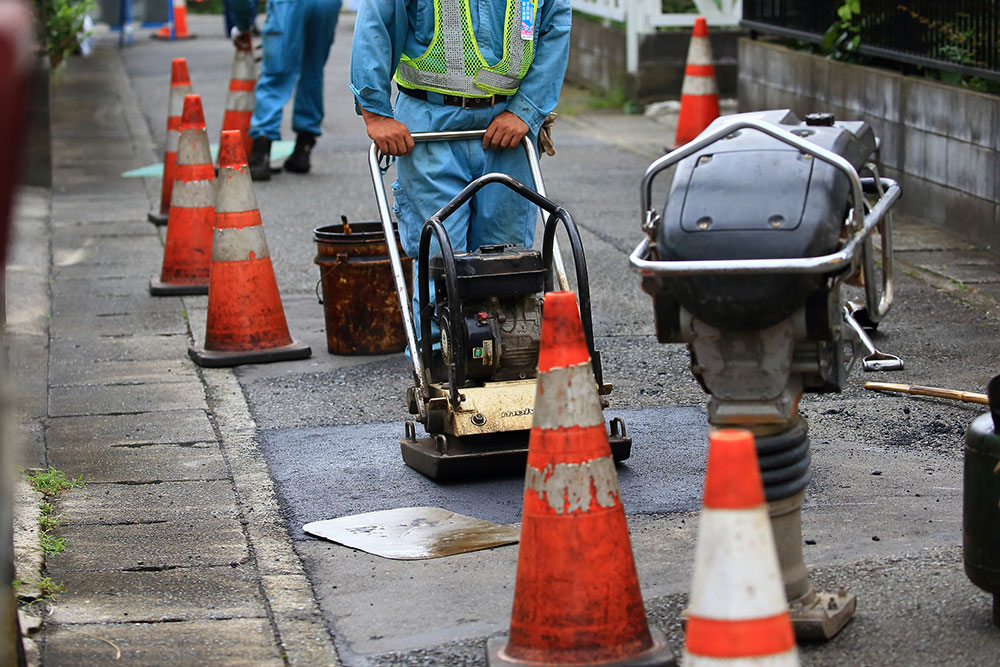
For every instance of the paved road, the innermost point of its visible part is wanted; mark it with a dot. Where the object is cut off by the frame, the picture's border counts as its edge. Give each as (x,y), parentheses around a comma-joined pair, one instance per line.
(883,512)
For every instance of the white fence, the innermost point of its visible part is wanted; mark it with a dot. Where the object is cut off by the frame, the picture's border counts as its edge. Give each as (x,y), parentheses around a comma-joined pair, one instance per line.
(642,17)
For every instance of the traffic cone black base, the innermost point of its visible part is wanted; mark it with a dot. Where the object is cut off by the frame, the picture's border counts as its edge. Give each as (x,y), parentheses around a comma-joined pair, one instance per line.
(659,655)
(160,288)
(221,359)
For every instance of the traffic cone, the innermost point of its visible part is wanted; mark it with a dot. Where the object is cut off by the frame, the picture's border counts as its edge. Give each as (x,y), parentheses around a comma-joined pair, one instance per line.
(699,92)
(240,100)
(737,613)
(187,251)
(180,87)
(576,597)
(179,27)
(246,322)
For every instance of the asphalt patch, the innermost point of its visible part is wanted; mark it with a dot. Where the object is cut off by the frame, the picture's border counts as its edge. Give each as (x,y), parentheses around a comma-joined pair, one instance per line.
(330,472)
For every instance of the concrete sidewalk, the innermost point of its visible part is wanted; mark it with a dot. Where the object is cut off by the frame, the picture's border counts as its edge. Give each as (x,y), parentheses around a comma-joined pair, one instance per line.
(177,550)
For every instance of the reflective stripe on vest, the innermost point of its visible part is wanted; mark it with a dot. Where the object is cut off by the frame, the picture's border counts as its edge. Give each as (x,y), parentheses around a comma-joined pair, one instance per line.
(453,64)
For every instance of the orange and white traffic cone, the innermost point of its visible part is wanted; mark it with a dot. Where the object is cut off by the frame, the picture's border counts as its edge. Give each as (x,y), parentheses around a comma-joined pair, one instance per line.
(699,92)
(576,598)
(178,29)
(187,251)
(240,100)
(737,613)
(246,321)
(180,87)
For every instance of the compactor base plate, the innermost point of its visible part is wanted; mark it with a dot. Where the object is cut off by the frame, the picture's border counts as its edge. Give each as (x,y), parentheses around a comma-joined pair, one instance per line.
(445,458)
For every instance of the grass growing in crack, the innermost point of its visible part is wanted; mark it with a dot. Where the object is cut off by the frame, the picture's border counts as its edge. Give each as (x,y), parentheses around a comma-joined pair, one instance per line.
(49,544)
(48,590)
(53,482)
(50,483)
(48,522)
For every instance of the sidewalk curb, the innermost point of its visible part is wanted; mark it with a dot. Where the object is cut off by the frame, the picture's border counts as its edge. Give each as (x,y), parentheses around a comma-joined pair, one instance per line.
(296,617)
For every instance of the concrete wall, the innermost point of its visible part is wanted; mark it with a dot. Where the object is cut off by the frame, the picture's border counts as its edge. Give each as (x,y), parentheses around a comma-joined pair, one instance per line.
(596,55)
(597,60)
(941,142)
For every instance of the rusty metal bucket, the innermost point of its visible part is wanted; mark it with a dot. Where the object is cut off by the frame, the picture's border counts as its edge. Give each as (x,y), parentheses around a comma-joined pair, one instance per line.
(359,297)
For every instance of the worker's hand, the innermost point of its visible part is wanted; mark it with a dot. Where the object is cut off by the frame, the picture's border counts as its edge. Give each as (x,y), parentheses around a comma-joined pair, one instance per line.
(241,38)
(390,136)
(506,131)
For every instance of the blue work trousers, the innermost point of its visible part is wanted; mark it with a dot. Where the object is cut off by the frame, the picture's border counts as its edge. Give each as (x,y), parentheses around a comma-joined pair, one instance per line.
(297,36)
(435,172)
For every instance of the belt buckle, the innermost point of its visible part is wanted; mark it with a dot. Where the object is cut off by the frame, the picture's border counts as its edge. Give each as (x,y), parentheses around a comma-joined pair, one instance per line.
(478,102)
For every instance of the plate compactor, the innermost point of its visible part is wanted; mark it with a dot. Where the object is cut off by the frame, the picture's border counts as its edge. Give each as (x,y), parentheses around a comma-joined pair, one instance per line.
(767,218)
(475,395)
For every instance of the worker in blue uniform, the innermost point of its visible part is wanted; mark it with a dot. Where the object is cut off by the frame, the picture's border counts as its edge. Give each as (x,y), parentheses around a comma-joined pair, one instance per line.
(296,39)
(493,65)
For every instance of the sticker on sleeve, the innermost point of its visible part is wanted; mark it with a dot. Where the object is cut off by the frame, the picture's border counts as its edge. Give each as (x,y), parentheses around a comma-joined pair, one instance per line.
(527,20)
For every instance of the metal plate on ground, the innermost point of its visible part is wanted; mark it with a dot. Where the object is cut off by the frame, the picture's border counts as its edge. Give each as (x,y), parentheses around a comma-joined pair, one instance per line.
(414,533)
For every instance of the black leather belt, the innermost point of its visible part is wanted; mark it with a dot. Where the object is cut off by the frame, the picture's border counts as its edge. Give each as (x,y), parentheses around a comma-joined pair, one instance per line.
(454,100)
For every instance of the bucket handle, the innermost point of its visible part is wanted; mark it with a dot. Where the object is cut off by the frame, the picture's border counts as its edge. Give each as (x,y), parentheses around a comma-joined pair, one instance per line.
(342,258)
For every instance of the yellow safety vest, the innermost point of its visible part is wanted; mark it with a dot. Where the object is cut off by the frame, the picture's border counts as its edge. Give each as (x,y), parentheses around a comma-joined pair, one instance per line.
(453,64)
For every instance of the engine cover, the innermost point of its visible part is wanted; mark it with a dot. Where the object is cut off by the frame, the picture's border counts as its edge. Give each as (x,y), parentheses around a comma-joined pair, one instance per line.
(750,196)
(499,298)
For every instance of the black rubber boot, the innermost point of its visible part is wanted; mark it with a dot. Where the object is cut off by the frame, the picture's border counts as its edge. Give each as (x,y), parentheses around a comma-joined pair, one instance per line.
(298,161)
(260,159)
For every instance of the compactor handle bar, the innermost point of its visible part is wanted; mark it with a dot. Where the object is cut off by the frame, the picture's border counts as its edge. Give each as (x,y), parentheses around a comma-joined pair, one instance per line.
(862,224)
(382,200)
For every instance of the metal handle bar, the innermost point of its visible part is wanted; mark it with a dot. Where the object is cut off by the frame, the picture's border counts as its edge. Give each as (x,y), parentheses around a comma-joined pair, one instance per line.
(785,136)
(833,262)
(878,304)
(382,200)
(434,227)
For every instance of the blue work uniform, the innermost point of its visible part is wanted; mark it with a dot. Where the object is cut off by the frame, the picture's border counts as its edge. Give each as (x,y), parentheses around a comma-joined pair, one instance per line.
(435,172)
(297,36)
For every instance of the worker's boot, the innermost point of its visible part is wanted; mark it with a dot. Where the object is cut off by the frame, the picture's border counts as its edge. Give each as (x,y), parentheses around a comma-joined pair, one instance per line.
(298,161)
(260,159)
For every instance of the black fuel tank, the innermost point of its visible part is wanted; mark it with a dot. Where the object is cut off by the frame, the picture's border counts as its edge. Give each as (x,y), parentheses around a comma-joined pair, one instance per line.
(494,271)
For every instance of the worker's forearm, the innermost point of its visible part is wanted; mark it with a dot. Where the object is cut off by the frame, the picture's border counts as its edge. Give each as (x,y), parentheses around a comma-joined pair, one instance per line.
(242,10)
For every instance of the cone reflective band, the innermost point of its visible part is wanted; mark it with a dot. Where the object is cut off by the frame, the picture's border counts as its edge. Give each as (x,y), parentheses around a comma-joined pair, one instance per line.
(188,245)
(576,598)
(699,92)
(180,87)
(240,99)
(246,321)
(737,613)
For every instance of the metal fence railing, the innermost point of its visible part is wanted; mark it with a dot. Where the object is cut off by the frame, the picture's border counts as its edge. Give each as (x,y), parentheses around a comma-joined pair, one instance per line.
(959,35)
